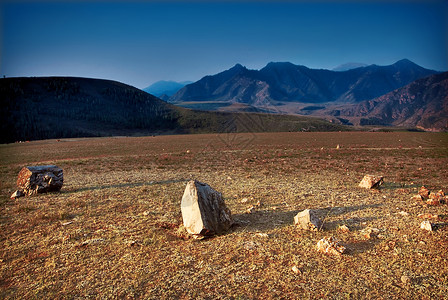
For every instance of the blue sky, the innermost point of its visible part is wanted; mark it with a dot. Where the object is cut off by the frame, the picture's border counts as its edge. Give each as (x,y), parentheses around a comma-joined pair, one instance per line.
(141,42)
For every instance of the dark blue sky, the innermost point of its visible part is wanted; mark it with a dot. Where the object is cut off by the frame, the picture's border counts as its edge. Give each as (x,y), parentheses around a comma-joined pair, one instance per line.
(145,41)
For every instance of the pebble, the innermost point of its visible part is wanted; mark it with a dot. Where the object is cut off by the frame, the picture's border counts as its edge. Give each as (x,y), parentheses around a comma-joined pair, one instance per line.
(405,279)
(296,270)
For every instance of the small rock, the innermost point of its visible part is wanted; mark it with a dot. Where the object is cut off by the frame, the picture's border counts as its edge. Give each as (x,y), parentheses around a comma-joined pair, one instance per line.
(370,233)
(428,216)
(263,235)
(250,210)
(296,270)
(330,245)
(371,181)
(403,213)
(417,198)
(308,220)
(244,200)
(426,225)
(17,194)
(343,229)
(433,202)
(405,279)
(424,192)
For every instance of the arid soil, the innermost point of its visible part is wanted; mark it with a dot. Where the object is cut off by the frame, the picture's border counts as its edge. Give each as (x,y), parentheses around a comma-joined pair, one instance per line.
(115,228)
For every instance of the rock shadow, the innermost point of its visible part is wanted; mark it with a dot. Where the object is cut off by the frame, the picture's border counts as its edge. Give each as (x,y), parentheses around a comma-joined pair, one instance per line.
(122,185)
(362,246)
(265,220)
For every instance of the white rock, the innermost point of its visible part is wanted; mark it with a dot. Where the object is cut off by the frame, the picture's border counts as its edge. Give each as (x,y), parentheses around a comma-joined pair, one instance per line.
(426,225)
(330,245)
(308,220)
(204,212)
(295,270)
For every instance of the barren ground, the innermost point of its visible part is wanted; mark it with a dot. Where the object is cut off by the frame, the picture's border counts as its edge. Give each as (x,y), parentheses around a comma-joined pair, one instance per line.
(114,230)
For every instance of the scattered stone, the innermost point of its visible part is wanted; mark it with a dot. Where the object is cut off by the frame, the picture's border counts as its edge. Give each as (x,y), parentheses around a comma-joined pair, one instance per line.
(426,225)
(330,245)
(371,181)
(263,235)
(343,229)
(204,212)
(39,179)
(405,279)
(424,192)
(417,198)
(92,242)
(370,233)
(17,194)
(308,220)
(426,197)
(250,210)
(296,270)
(403,213)
(244,200)
(428,216)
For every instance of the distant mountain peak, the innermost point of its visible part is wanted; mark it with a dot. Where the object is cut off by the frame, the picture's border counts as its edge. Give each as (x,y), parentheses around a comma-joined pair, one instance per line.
(405,62)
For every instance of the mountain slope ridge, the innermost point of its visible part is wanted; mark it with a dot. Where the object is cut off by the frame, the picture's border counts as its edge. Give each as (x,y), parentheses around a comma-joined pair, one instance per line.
(284,81)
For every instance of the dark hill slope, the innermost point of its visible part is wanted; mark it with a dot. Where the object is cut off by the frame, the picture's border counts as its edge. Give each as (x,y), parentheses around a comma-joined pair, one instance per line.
(286,82)
(58,107)
(54,107)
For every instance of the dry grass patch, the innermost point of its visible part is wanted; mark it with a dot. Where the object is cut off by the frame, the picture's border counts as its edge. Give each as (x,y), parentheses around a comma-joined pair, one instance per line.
(115,228)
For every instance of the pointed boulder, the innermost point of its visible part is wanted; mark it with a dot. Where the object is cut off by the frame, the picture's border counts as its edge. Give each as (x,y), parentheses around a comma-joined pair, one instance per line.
(204,212)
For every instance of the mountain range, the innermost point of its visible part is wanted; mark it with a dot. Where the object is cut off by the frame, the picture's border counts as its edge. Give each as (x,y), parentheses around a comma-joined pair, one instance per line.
(286,82)
(360,95)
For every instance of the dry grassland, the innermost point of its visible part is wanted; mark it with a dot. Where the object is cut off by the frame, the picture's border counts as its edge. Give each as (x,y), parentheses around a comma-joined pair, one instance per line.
(114,230)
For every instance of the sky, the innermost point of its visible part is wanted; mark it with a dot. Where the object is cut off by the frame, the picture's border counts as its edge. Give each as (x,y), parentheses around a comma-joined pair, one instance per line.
(141,42)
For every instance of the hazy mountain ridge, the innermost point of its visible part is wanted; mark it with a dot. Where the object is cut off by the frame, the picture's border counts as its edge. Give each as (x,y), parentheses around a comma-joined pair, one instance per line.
(284,81)
(63,107)
(349,66)
(165,88)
